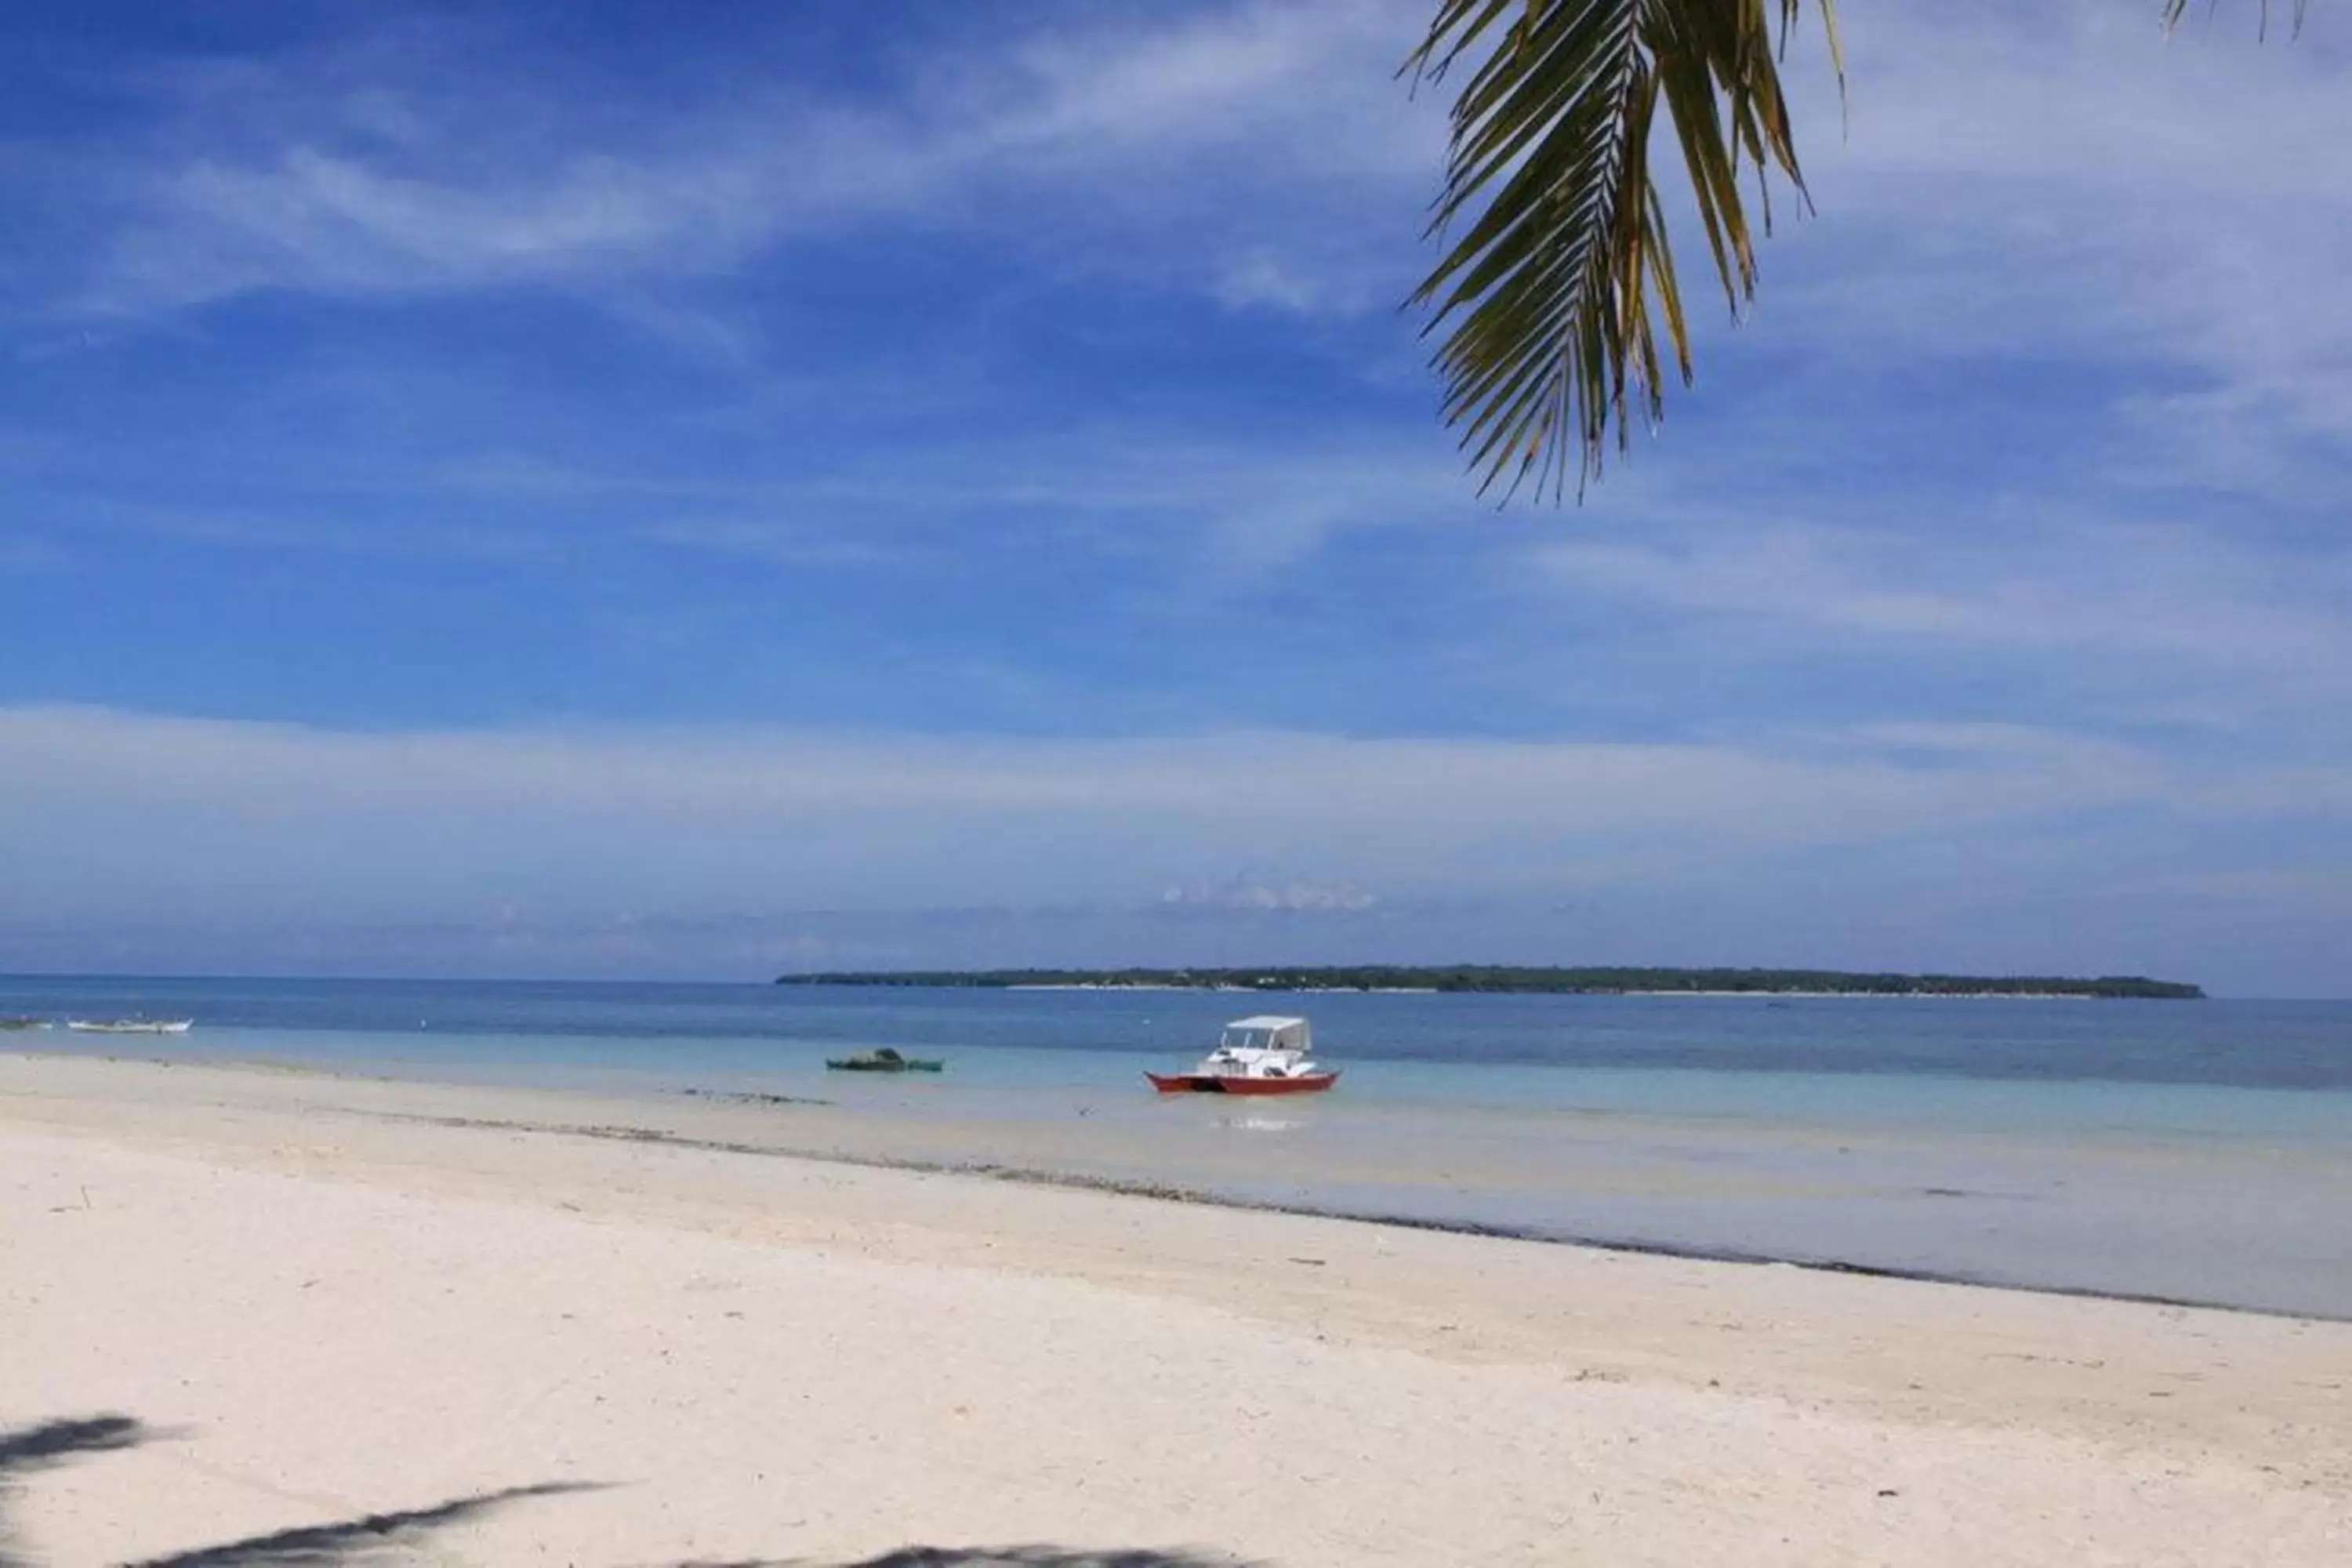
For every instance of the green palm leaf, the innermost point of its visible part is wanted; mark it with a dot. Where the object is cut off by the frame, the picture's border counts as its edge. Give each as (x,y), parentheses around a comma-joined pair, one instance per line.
(1558,273)
(1553,290)
(2175,10)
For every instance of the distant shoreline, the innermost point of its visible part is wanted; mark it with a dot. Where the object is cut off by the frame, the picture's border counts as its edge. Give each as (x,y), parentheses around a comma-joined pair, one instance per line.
(1115,985)
(1438,991)
(1501,980)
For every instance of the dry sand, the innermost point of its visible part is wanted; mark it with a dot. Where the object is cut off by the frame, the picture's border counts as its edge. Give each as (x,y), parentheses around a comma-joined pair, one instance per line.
(326,1300)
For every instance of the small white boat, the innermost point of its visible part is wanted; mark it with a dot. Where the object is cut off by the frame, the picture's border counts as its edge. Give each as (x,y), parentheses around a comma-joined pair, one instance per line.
(131,1025)
(1254,1056)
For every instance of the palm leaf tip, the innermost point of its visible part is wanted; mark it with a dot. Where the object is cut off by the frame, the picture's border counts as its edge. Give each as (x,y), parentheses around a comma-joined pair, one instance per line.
(2177,11)
(1558,270)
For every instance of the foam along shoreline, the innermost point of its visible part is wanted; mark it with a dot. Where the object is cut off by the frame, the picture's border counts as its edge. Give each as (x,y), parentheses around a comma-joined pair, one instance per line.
(729,1354)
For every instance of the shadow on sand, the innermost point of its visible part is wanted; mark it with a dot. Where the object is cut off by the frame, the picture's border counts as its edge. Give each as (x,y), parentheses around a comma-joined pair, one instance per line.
(388,1538)
(29,1448)
(373,1537)
(53,1442)
(993,1557)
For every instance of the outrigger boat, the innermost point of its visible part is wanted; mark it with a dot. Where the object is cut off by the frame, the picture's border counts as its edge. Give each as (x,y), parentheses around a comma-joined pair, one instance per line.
(130,1025)
(884,1060)
(1253,1056)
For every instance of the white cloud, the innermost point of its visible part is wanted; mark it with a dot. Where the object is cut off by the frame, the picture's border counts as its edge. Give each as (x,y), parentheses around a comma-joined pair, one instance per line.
(336,222)
(1248,895)
(2059,186)
(2016,183)
(1242,506)
(1306,83)
(135,838)
(2143,240)
(121,809)
(1259,279)
(2166,612)
(424,184)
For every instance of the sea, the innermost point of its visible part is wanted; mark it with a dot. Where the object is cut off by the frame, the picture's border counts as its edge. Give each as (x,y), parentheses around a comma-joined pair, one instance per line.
(2197,1153)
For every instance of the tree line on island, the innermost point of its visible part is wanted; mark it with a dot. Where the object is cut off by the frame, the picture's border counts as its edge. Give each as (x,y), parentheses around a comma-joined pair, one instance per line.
(1525,980)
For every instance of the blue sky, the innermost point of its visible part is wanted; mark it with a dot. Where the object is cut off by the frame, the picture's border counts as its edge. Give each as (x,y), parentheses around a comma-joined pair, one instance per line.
(592,490)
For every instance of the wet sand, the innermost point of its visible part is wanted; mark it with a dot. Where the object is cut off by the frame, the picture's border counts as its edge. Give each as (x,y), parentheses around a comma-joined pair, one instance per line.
(322,1300)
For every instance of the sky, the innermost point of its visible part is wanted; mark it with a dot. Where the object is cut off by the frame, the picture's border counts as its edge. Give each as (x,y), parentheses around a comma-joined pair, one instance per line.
(596,489)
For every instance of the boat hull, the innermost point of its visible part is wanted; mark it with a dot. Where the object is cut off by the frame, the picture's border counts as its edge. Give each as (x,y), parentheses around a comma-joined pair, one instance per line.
(1233,1083)
(910,1066)
(167,1027)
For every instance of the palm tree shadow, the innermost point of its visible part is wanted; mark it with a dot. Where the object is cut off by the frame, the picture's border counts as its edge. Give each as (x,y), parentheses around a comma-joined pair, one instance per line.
(996,1557)
(375,1537)
(31,1448)
(25,1449)
(384,1537)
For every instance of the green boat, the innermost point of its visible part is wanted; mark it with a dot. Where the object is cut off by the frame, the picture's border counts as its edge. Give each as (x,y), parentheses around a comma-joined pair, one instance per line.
(884,1060)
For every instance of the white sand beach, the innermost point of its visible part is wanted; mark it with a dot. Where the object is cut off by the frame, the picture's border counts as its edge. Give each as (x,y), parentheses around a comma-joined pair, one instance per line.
(379,1322)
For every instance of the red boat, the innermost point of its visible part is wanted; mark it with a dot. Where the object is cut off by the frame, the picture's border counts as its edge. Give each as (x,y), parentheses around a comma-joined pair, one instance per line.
(1234,1083)
(1254,1056)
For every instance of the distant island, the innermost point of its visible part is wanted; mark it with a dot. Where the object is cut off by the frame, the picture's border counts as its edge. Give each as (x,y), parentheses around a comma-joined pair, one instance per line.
(1524,981)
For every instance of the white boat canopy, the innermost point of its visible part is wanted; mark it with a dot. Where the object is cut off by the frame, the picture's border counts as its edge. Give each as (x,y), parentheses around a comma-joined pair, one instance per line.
(1267,1032)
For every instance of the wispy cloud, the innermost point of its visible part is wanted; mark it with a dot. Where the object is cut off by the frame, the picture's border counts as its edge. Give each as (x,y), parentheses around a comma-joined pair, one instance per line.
(423,183)
(1244,506)
(965,380)
(1255,895)
(834,819)
(2183,595)
(573,842)
(2209,639)
(2059,183)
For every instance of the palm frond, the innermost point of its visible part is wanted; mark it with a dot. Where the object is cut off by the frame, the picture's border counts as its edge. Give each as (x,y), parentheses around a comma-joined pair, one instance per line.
(1550,295)
(1547,294)
(2175,11)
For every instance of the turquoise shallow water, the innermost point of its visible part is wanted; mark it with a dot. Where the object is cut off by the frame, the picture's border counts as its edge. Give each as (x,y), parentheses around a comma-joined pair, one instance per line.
(2198,1151)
